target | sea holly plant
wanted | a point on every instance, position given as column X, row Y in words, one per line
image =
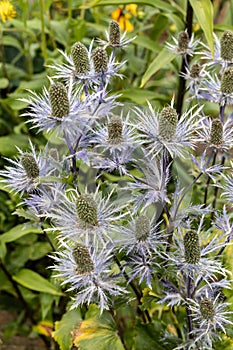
column 135, row 252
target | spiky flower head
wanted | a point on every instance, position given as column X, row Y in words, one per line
column 115, row 128
column 79, row 55
column 195, row 71
column 168, row 120
column 191, row 247
column 114, row 33
column 30, row 165
column 183, row 42
column 100, row 59
column 83, row 260
column 227, row 81
column 87, row 209
column 59, row 100
column 216, row 133
column 142, row 228
column 207, row 309
column 226, row 45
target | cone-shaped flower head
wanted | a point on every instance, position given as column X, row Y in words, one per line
column 87, row 209
column 114, row 33
column 30, row 166
column 216, row 133
column 191, row 247
column 227, row 81
column 226, row 44
column 83, row 260
column 59, row 100
column 168, row 120
column 100, row 59
column 79, row 55
column 195, row 71
column 142, row 228
column 183, row 42
column 115, row 129
column 207, row 309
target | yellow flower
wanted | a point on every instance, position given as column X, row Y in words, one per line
column 6, row 10
column 122, row 16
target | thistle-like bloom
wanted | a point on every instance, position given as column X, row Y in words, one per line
column 114, row 37
column 57, row 109
column 183, row 45
column 88, row 272
column 79, row 216
column 163, row 130
column 6, row 10
column 218, row 90
column 114, row 144
column 192, row 253
column 215, row 134
column 23, row 175
column 194, row 75
column 78, row 66
column 223, row 51
column 210, row 316
column 141, row 236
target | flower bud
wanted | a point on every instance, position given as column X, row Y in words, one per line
column 114, row 33
column 183, row 42
column 168, row 120
column 195, row 71
column 83, row 260
column 79, row 55
column 87, row 209
column 207, row 309
column 227, row 81
column 59, row 100
column 100, row 60
column 142, row 228
column 191, row 247
column 30, row 166
column 216, row 133
column 115, row 131
column 226, row 44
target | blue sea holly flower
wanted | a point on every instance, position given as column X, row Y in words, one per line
column 57, row 108
column 114, row 38
column 87, row 271
column 89, row 214
column 165, row 130
column 23, row 175
column 183, row 45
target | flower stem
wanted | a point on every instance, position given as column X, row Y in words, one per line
column 185, row 60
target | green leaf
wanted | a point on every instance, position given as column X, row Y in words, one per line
column 147, row 337
column 204, row 12
column 4, row 83
column 162, row 5
column 17, row 232
column 34, row 281
column 63, row 328
column 140, row 95
column 98, row 332
column 163, row 58
column 8, row 144
column 3, row 250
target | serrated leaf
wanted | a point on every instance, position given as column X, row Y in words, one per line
column 204, row 12
column 63, row 328
column 18, row 232
column 163, row 58
column 34, row 281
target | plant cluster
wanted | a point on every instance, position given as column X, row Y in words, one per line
column 127, row 239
